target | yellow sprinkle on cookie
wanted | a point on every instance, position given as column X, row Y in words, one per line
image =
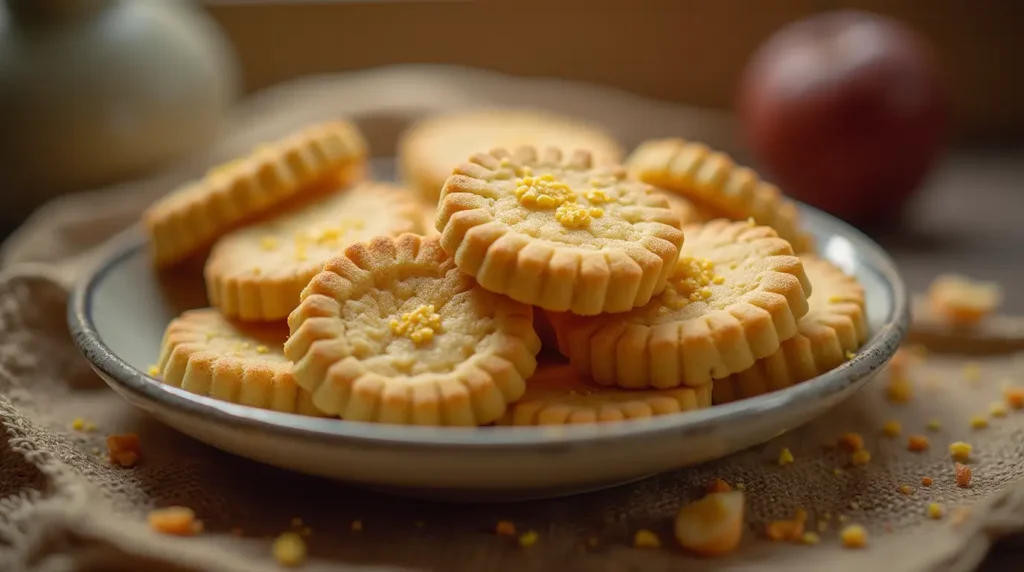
column 257, row 272
column 433, row 147
column 556, row 395
column 834, row 325
column 722, row 188
column 193, row 216
column 736, row 292
column 392, row 332
column 207, row 354
column 522, row 224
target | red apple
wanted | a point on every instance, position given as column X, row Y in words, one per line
column 845, row 111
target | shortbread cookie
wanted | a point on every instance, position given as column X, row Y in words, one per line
column 556, row 395
column 204, row 353
column 736, row 293
column 719, row 186
column 190, row 218
column 833, row 326
column 258, row 271
column 433, row 147
column 558, row 233
column 392, row 332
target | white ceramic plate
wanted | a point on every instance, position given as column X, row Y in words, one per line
column 119, row 311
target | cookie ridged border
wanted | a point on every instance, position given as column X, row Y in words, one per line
column 614, row 351
column 543, row 273
column 477, row 392
column 249, row 297
column 186, row 363
column 696, row 171
column 821, row 344
column 266, row 177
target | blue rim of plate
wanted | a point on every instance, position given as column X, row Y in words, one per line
column 874, row 354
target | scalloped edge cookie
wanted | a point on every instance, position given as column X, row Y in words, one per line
column 835, row 326
column 187, row 362
column 194, row 215
column 640, row 348
column 334, row 367
column 714, row 180
column 550, row 274
column 556, row 395
column 261, row 293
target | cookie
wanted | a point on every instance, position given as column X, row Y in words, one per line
column 258, row 271
column 434, row 146
column 558, row 232
column 204, row 353
column 190, row 218
column 735, row 294
column 557, row 395
column 392, row 332
column 834, row 325
column 720, row 187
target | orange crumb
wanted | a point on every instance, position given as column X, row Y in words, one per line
column 718, row 486
column 917, row 443
column 960, row 451
column 788, row 530
column 963, row 475
column 1014, row 397
column 289, row 549
column 854, row 536
column 505, row 528
column 962, row 300
column 926, row 481
column 852, row 442
column 906, row 489
column 712, row 526
column 124, row 450
column 357, row 526
column 646, row 539
column 892, row 428
column 177, row 520
column 861, row 457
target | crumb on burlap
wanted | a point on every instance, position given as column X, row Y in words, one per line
column 926, row 481
column 289, row 549
column 177, row 520
column 933, row 425
column 979, row 421
column 934, row 511
column 1014, row 397
column 789, row 530
column 997, row 409
column 505, row 528
column 905, row 489
column 124, row 450
column 960, row 450
column 851, row 441
column 917, row 443
column 963, row 475
column 854, row 536
column 892, row 428
column 528, row 539
column 646, row 539
column 785, row 456
column 718, row 486
column 861, row 457
column 810, row 538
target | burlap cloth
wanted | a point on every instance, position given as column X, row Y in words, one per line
column 65, row 508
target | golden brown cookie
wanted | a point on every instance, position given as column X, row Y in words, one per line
column 258, row 271
column 430, row 150
column 834, row 325
column 204, row 353
column 557, row 395
column 191, row 217
column 392, row 332
column 721, row 188
column 736, row 293
column 558, row 232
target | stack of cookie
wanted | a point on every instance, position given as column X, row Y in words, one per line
column 654, row 288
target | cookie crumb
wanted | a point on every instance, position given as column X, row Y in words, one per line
column 905, row 489
column 850, row 356
column 934, row 511
column 892, row 428
column 505, row 528
column 854, row 536
column 646, row 539
column 740, row 486
column 790, row 530
column 785, row 456
column 718, row 486
column 289, row 549
column 153, row 371
column 933, row 425
column 357, row 526
column 997, row 409
column 979, row 422
column 810, row 538
column 852, row 442
column 963, row 475
column 528, row 539
column 917, row 443
column 926, row 481
column 78, row 424
column 177, row 520
column 124, row 450
column 899, row 390
column 861, row 457
column 592, row 542
column 960, row 450
column 1014, row 397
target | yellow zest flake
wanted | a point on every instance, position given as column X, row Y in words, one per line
column 596, row 212
column 861, row 457
column 572, row 215
column 934, row 425
column 892, row 428
column 269, row 242
column 979, row 422
column 850, row 356
column 905, row 489
column 153, row 371
column 810, row 537
column 528, row 539
column 597, row 196
column 718, row 280
column 505, row 528
column 78, row 424
column 854, row 536
column 543, row 192
column 420, row 325
column 262, row 349
column 289, row 549
column 997, row 409
column 646, row 539
column 934, row 511
column 960, row 451
column 785, row 456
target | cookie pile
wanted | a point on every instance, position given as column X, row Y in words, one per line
column 525, row 277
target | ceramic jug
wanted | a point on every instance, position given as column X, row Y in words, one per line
column 96, row 91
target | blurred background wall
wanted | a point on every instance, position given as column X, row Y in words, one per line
column 689, row 51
